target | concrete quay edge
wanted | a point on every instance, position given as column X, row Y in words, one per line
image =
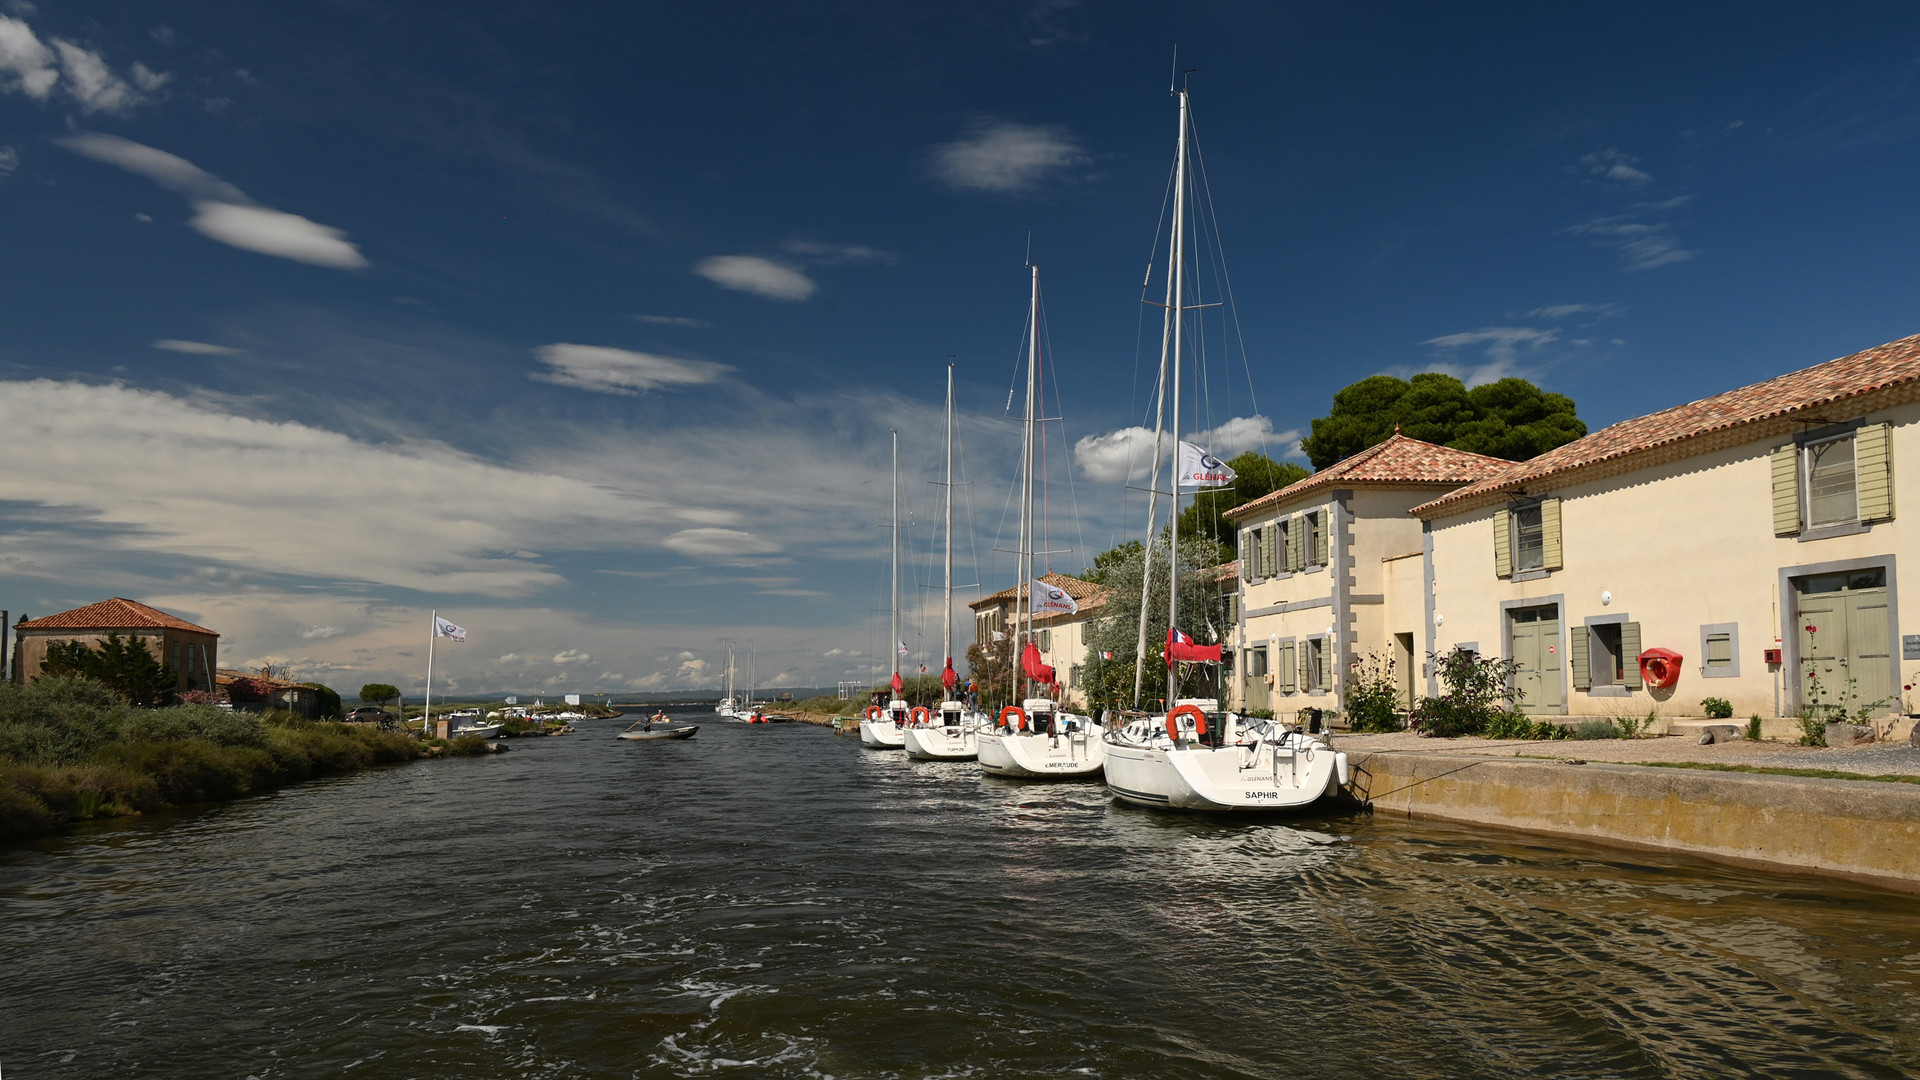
column 1861, row 830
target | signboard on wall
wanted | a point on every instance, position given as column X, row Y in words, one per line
column 1910, row 647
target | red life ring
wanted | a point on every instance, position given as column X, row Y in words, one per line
column 1016, row 711
column 921, row 714
column 1199, row 721
column 1660, row 667
column 875, row 712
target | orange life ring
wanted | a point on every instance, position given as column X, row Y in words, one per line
column 1660, row 667
column 1015, row 711
column 875, row 712
column 1199, row 721
column 921, row 715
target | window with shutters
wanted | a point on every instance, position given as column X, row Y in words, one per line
column 1833, row 481
column 1044, row 638
column 1529, row 539
column 1314, row 665
column 1606, row 664
column 1604, row 656
column 1233, row 607
column 1287, row 669
column 1315, row 539
column 1279, row 550
column 1720, row 650
column 1073, row 677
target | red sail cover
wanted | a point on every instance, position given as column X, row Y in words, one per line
column 1030, row 663
column 949, row 677
column 1181, row 647
column 897, row 684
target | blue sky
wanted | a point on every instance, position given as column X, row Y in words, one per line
column 586, row 324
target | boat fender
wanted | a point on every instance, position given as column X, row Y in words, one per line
column 1019, row 720
column 1199, row 721
column 875, row 712
column 1340, row 769
column 921, row 715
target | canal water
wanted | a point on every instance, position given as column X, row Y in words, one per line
column 774, row 901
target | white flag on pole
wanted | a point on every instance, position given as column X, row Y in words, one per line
column 1049, row 599
column 447, row 630
column 1199, row 469
column 902, row 647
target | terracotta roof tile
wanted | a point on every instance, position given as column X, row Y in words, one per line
column 1399, row 460
column 118, row 613
column 1085, row 593
column 1883, row 367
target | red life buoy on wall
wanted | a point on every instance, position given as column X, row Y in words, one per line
column 874, row 712
column 1660, row 667
column 1019, row 720
column 921, row 714
column 1199, row 721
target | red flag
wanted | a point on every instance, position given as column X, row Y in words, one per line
column 1030, row 663
column 949, row 677
column 897, row 684
column 1181, row 647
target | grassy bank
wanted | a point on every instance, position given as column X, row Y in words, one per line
column 70, row 750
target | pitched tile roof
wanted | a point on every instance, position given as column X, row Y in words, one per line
column 1758, row 411
column 1084, row 593
column 118, row 613
column 1399, row 461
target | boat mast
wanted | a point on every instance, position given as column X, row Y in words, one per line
column 1026, row 488
column 1179, row 282
column 1159, row 427
column 946, row 625
column 893, row 645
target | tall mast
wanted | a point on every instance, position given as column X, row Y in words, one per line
column 1025, row 587
column 1179, row 283
column 946, row 625
column 893, row 643
column 1159, row 425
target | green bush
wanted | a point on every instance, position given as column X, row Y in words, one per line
column 1373, row 695
column 1717, row 708
column 1595, row 729
column 1478, row 689
column 1753, row 728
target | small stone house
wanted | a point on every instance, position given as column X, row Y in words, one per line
column 189, row 650
column 280, row 693
column 1061, row 637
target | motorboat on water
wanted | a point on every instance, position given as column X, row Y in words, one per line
column 951, row 734
column 483, row 729
column 644, row 730
column 1198, row 757
column 886, row 728
column 1038, row 739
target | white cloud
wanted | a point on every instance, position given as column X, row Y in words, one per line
column 1005, row 158
column 221, row 211
column 9, row 160
column 507, row 658
column 26, row 64
column 321, row 632
column 752, row 274
column 194, row 348
column 1568, row 311
column 1641, row 244
column 832, row 254
column 1127, row 454
column 719, row 543
column 620, row 371
column 572, row 656
column 1503, row 346
column 1616, row 166
column 83, row 76
column 91, row 82
column 275, row 232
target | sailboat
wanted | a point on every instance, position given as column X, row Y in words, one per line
column 726, row 706
column 1036, row 738
column 1198, row 756
column 885, row 729
column 949, row 733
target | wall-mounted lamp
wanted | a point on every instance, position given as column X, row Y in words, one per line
column 1606, row 597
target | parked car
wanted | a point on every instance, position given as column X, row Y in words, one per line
column 368, row 714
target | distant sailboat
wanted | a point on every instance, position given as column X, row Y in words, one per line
column 885, row 729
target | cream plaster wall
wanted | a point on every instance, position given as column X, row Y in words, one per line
column 1677, row 546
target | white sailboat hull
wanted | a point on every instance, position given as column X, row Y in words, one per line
column 1227, row 778
column 1032, row 756
column 941, row 743
column 882, row 734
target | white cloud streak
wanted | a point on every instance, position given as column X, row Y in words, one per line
column 70, row 72
column 768, row 278
column 1126, row 455
column 222, row 211
column 607, row 370
column 1006, row 158
column 1503, row 348
column 1642, row 244
column 1616, row 166
column 193, row 348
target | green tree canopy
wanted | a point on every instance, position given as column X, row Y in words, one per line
column 1255, row 474
column 123, row 665
column 329, row 699
column 1203, row 614
column 379, row 693
column 1511, row 418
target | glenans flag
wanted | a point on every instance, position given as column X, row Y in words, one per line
column 1047, row 599
column 1199, row 469
column 447, row 630
column 902, row 647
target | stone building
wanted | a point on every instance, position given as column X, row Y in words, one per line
column 187, row 649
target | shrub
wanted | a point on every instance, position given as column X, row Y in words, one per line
column 1373, row 695
column 1632, row 727
column 1477, row 689
column 1753, row 728
column 1717, row 708
column 1596, row 729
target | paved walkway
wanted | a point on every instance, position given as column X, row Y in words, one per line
column 1872, row 759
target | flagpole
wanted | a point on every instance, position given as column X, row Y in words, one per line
column 426, row 717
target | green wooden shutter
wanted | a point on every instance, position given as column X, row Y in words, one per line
column 1270, row 550
column 1502, row 544
column 1306, row 658
column 1322, row 521
column 1246, row 554
column 1285, row 670
column 1297, row 543
column 1630, row 655
column 1326, row 663
column 1873, row 471
column 1550, row 534
column 1577, row 640
column 1786, row 490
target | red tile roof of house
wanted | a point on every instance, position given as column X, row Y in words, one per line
column 1399, row 461
column 1085, row 593
column 118, row 613
column 1762, row 410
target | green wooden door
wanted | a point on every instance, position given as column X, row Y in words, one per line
column 1541, row 677
column 1255, row 691
column 1845, row 641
